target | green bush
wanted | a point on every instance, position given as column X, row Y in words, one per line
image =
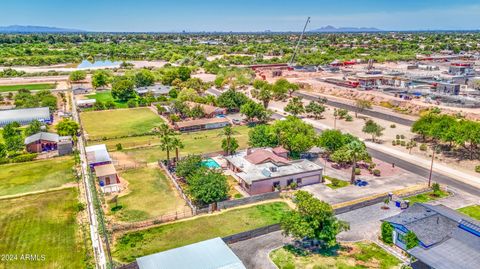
column 119, row 146
column 394, row 143
column 397, row 136
column 357, row 171
column 132, row 103
column 348, row 118
column 387, row 233
column 80, row 207
column 403, row 143
column 24, row 158
column 402, row 136
column 116, row 208
column 477, row 168
column 376, row 172
column 423, row 147
column 335, row 182
column 393, row 126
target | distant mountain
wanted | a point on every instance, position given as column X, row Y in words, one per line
column 35, row 29
column 332, row 29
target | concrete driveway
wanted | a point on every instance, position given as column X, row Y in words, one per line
column 254, row 252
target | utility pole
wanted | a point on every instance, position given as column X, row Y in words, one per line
column 431, row 168
column 334, row 118
column 298, row 42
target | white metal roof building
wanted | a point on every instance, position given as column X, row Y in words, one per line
column 209, row 254
column 25, row 115
column 97, row 154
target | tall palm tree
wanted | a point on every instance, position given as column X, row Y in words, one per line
column 177, row 144
column 356, row 151
column 167, row 136
column 228, row 132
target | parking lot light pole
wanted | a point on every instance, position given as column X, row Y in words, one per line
column 431, row 168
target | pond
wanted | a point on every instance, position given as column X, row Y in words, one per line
column 85, row 64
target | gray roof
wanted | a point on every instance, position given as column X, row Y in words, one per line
column 97, row 154
column 42, row 136
column 24, row 115
column 209, row 254
column 438, row 227
column 155, row 89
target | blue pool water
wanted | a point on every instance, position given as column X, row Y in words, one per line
column 210, row 163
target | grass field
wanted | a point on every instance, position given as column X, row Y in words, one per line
column 195, row 143
column 350, row 256
column 472, row 211
column 426, row 197
column 104, row 96
column 42, row 224
column 151, row 194
column 19, row 178
column 168, row 236
column 119, row 122
column 32, row 87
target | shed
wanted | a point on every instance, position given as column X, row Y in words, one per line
column 209, row 254
column 25, row 116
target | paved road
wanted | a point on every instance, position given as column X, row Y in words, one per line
column 368, row 112
column 254, row 252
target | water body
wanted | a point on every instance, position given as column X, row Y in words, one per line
column 102, row 63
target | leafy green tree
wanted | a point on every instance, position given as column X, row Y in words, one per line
column 77, row 75
column 387, row 232
column 68, row 127
column 98, row 105
column 373, row 128
column 232, row 100
column 188, row 94
column 280, row 89
column 361, row 105
column 316, row 109
column 262, row 136
column 188, row 166
column 14, row 143
column 295, row 135
column 295, row 106
column 109, row 104
column 264, row 94
column 253, row 110
column 123, row 88
column 101, row 78
column 143, row 78
column 468, row 135
column 167, row 137
column 229, row 143
column 423, row 125
column 196, row 112
column 331, row 140
column 34, row 127
column 312, row 219
column 208, row 186
column 3, row 151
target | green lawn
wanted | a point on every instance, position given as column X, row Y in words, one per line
column 42, row 224
column 119, row 122
column 426, row 197
column 472, row 211
column 350, row 256
column 151, row 194
column 195, row 143
column 340, row 183
column 104, row 96
column 32, row 87
column 19, row 178
column 168, row 236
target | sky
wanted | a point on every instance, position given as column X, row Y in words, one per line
column 241, row 15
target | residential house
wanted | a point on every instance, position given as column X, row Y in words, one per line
column 43, row 141
column 81, row 88
column 263, row 170
column 201, row 124
column 156, row 90
column 107, row 178
column 25, row 116
column 210, row 111
column 211, row 254
column 446, row 238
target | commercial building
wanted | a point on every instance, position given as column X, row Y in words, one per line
column 25, row 116
column 201, row 124
column 264, row 170
column 446, row 238
column 211, row 254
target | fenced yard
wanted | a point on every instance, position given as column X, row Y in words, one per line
column 119, row 122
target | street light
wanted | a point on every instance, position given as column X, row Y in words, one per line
column 431, row 167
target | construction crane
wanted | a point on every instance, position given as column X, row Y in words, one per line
column 298, row 42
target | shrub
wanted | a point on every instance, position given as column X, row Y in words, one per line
column 394, row 143
column 411, row 240
column 398, row 141
column 132, row 103
column 402, row 136
column 436, row 189
column 477, row 168
column 423, row 147
column 335, row 182
column 116, row 208
column 237, row 196
column 397, row 136
column 357, row 171
column 80, row 207
column 348, row 118
column 24, row 158
column 393, row 126
column 293, row 185
column 387, row 233
column 403, row 143
column 376, row 172
column 119, row 146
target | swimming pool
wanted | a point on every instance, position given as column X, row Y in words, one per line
column 210, row 163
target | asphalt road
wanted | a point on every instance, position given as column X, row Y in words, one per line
column 367, row 112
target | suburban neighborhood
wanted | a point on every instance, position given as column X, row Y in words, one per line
column 224, row 146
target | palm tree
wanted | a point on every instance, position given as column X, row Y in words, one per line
column 177, row 144
column 356, row 151
column 264, row 95
column 166, row 139
column 228, row 132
